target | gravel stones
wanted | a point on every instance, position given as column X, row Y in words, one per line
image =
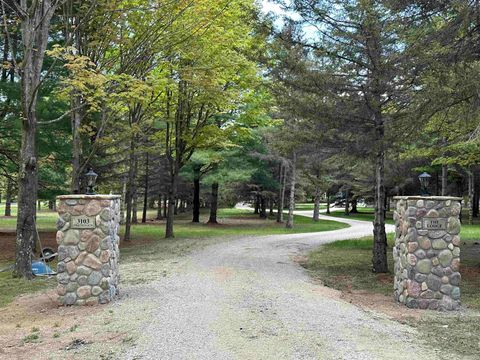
column 88, row 258
column 426, row 252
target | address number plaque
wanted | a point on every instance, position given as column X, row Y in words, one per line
column 83, row 222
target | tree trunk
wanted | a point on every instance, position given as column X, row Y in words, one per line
column 130, row 191
column 444, row 179
column 135, row 209
column 471, row 186
column 160, row 207
column 380, row 264
column 145, row 191
column 124, row 201
column 263, row 207
column 135, row 193
column 354, row 206
column 280, row 191
column 76, row 119
column 8, row 198
column 27, row 195
column 257, row 205
column 271, row 204
column 35, row 27
column 165, row 206
column 347, row 201
column 475, row 200
column 196, row 194
column 291, row 205
column 281, row 202
column 214, row 204
column 6, row 51
column 328, row 203
column 172, row 194
column 316, row 204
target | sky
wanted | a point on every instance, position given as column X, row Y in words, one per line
column 269, row 6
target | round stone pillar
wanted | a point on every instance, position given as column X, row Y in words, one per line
column 427, row 252
column 88, row 250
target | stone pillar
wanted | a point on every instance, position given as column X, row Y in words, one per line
column 88, row 250
column 427, row 252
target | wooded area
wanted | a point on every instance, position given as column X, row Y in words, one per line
column 179, row 105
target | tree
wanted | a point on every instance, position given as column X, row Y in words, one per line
column 358, row 72
column 35, row 26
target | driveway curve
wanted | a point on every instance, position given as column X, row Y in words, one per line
column 248, row 299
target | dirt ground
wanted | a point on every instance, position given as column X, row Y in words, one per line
column 34, row 325
column 368, row 300
column 7, row 243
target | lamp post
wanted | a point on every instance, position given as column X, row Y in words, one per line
column 424, row 180
column 91, row 179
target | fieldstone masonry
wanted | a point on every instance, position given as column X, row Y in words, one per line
column 427, row 252
column 88, row 250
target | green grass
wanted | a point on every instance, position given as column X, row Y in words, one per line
column 308, row 206
column 250, row 225
column 11, row 287
column 346, row 265
column 45, row 219
column 32, row 338
column 365, row 214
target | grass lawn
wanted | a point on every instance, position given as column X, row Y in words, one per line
column 148, row 243
column 235, row 222
column 346, row 265
column 308, row 206
column 365, row 214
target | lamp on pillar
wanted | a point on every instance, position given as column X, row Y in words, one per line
column 91, row 179
column 424, row 180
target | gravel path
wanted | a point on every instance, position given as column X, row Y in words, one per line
column 247, row 299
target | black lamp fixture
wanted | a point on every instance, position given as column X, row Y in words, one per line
column 424, row 180
column 91, row 179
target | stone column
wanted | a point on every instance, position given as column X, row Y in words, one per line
column 88, row 250
column 427, row 252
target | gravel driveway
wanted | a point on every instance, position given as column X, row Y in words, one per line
column 247, row 299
